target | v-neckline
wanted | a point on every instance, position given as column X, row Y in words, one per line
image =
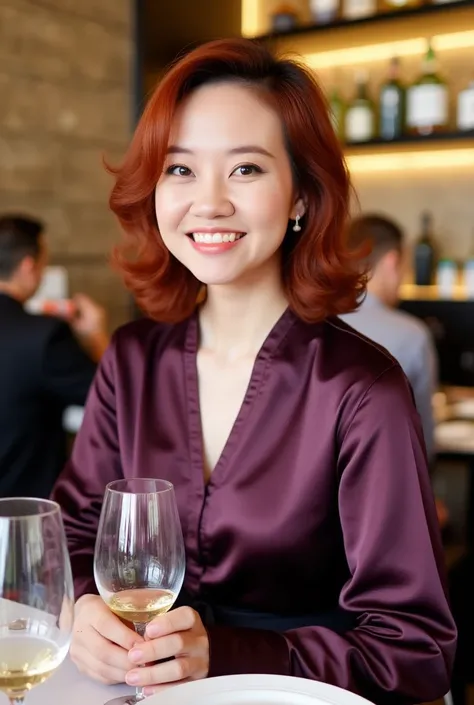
column 257, row 377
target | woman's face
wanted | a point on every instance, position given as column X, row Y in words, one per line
column 226, row 193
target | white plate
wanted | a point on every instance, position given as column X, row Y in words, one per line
column 255, row 690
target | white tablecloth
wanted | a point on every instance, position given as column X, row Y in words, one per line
column 69, row 687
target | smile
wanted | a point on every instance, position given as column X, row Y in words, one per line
column 216, row 238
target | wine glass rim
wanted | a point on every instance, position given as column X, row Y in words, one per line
column 49, row 507
column 168, row 486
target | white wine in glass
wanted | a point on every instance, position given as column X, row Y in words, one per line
column 36, row 594
column 139, row 560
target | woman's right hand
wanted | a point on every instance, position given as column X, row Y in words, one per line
column 101, row 641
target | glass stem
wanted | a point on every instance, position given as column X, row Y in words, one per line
column 140, row 629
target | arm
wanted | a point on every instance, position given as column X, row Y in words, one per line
column 424, row 381
column 67, row 371
column 95, row 462
column 404, row 642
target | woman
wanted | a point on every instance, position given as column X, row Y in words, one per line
column 292, row 442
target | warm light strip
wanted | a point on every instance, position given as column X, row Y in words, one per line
column 410, row 161
column 250, row 18
column 386, row 50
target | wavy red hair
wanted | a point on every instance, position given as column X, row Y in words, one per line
column 317, row 267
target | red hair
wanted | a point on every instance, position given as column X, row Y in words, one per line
column 317, row 268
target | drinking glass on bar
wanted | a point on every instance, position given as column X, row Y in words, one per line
column 36, row 594
column 139, row 560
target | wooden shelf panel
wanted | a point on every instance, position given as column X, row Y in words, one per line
column 424, row 11
column 410, row 24
column 452, row 140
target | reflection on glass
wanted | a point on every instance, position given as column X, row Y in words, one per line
column 139, row 558
column 36, row 594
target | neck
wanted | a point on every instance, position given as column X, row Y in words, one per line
column 377, row 290
column 11, row 289
column 235, row 319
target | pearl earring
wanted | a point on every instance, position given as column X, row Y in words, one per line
column 297, row 226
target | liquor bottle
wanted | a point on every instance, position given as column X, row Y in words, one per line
column 424, row 252
column 336, row 111
column 324, row 11
column 468, row 273
column 465, row 116
column 284, row 18
column 359, row 123
column 356, row 9
column 427, row 99
column 392, row 104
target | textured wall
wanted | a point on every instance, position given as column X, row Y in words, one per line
column 65, row 101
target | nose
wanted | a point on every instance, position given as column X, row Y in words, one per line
column 211, row 199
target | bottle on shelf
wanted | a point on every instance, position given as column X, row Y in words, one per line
column 465, row 112
column 337, row 113
column 468, row 273
column 424, row 252
column 401, row 4
column 324, row 11
column 284, row 18
column 392, row 104
column 428, row 99
column 359, row 123
column 357, row 9
column 446, row 277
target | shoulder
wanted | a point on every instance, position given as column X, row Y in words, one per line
column 138, row 341
column 346, row 367
column 412, row 327
column 353, row 354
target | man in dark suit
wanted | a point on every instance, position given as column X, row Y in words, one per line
column 43, row 367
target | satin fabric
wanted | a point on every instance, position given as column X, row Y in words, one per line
column 320, row 501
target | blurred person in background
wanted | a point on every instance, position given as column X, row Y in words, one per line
column 43, row 366
column 407, row 338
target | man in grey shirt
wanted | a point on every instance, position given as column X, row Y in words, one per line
column 407, row 338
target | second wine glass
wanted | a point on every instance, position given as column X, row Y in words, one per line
column 139, row 557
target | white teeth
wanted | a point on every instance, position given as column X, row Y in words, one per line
column 216, row 238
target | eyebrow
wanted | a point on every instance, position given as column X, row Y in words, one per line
column 245, row 149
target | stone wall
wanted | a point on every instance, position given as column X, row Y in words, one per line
column 65, row 102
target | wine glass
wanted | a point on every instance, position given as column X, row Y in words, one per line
column 139, row 556
column 36, row 594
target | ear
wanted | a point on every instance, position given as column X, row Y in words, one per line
column 27, row 265
column 299, row 208
column 391, row 260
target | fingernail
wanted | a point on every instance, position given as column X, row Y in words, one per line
column 135, row 655
column 132, row 678
column 148, row 691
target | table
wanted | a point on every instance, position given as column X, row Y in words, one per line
column 69, row 687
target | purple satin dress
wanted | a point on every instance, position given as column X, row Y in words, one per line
column 320, row 501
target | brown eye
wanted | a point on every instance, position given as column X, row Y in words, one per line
column 178, row 170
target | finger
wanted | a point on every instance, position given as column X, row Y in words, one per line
column 110, row 626
column 177, row 669
column 88, row 664
column 164, row 647
column 177, row 620
column 104, row 650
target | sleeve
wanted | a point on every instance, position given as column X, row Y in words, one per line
column 67, row 370
column 403, row 646
column 95, row 461
column 424, row 381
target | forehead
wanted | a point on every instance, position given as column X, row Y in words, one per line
column 225, row 115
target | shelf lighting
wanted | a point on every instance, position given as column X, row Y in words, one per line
column 386, row 50
column 410, row 161
column 250, row 24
